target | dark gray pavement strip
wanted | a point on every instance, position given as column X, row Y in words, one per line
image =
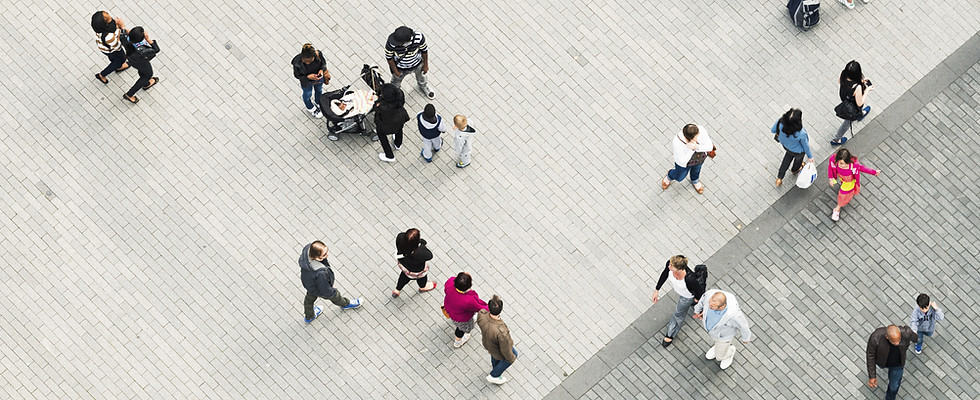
column 650, row 324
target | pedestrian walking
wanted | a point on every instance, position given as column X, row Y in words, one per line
column 845, row 167
column 923, row 319
column 688, row 288
column 431, row 126
column 311, row 70
column 463, row 137
column 390, row 117
column 496, row 339
column 407, row 52
column 723, row 319
column 886, row 348
column 461, row 305
column 790, row 133
column 109, row 34
column 140, row 50
column 691, row 148
column 413, row 257
column 318, row 279
column 854, row 90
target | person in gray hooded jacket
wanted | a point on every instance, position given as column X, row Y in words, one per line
column 722, row 320
column 318, row 280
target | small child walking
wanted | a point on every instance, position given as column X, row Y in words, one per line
column 431, row 125
column 844, row 165
column 924, row 318
column 463, row 135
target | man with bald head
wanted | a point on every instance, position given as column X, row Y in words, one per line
column 723, row 319
column 886, row 348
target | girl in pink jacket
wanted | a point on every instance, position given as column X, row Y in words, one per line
column 845, row 167
column 461, row 305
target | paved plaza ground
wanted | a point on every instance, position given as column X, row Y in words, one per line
column 150, row 250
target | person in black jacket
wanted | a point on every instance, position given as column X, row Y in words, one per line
column 318, row 280
column 310, row 68
column 390, row 117
column 140, row 50
column 886, row 349
column 412, row 257
column 688, row 289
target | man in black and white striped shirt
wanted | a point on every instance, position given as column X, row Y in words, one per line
column 407, row 52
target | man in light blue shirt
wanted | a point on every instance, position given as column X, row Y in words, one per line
column 722, row 320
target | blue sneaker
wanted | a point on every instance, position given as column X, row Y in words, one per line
column 422, row 153
column 317, row 310
column 838, row 142
column 354, row 303
column 917, row 349
column 867, row 110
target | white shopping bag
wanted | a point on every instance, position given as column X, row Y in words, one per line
column 807, row 176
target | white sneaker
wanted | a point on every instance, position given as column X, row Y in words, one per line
column 496, row 381
column 710, row 354
column 396, row 147
column 315, row 113
column 385, row 159
column 847, row 3
column 459, row 343
column 728, row 361
column 867, row 1
column 333, row 137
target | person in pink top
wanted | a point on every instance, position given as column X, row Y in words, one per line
column 461, row 304
column 845, row 167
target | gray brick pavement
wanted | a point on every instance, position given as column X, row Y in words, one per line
column 164, row 264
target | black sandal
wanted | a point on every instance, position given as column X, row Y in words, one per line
column 104, row 80
column 132, row 99
column 155, row 81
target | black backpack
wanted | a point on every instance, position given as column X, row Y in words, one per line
column 804, row 13
column 701, row 275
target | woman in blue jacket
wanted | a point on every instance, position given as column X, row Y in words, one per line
column 790, row 133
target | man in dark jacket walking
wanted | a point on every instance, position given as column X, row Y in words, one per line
column 886, row 348
column 318, row 280
column 496, row 339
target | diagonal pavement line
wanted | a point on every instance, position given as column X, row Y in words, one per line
column 652, row 321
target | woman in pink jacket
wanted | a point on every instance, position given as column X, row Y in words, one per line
column 845, row 167
column 461, row 305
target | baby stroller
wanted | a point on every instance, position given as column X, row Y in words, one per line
column 346, row 109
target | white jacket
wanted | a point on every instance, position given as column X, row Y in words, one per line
column 731, row 323
column 682, row 154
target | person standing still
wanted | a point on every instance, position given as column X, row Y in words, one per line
column 310, row 68
column 497, row 340
column 723, row 319
column 790, row 133
column 854, row 87
column 407, row 52
column 390, row 117
column 463, row 140
column 691, row 148
column 431, row 126
column 886, row 349
column 318, row 279
column 461, row 305
column 413, row 257
column 688, row 290
column 140, row 50
column 108, row 36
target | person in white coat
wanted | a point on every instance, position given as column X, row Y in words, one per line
column 722, row 320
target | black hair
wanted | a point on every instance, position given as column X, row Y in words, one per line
column 463, row 282
column 843, row 155
column 406, row 243
column 690, row 131
column 496, row 305
column 792, row 121
column 429, row 113
column 402, row 34
column 308, row 51
column 922, row 300
column 852, row 72
column 391, row 96
column 136, row 35
column 100, row 26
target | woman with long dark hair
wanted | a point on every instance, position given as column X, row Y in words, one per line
column 109, row 34
column 854, row 87
column 845, row 166
column 310, row 68
column 790, row 133
column 412, row 260
column 389, row 118
column 140, row 50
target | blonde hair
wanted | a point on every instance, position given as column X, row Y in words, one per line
column 459, row 121
column 679, row 262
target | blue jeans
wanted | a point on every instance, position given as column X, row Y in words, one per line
column 499, row 366
column 116, row 60
column 680, row 314
column 679, row 172
column 922, row 337
column 894, row 380
column 308, row 92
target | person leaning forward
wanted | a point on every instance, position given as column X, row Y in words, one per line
column 318, row 279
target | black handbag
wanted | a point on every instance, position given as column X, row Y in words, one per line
column 848, row 110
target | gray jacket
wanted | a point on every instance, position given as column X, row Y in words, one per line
column 731, row 323
column 925, row 322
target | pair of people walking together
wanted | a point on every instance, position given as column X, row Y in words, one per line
column 132, row 48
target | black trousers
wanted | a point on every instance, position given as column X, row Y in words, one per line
column 145, row 75
column 337, row 299
column 403, row 280
column 383, row 138
column 795, row 158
